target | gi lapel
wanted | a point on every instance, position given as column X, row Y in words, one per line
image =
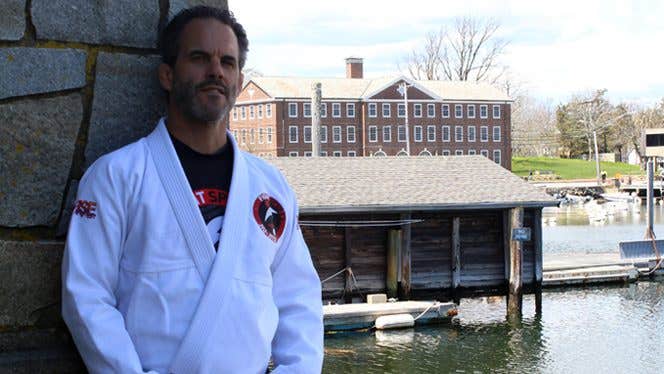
column 233, row 238
column 182, row 199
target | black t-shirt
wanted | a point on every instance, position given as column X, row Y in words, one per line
column 210, row 179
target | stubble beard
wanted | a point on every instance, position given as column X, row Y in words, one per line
column 185, row 97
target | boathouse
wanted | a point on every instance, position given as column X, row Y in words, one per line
column 418, row 227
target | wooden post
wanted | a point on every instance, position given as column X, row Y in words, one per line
column 539, row 272
column 405, row 286
column 456, row 257
column 506, row 243
column 348, row 282
column 514, row 300
column 393, row 252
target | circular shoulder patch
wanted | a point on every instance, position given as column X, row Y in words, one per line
column 270, row 216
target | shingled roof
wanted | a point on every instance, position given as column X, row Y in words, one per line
column 345, row 88
column 399, row 184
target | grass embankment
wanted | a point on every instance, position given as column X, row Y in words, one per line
column 570, row 168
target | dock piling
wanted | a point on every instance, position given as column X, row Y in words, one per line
column 515, row 296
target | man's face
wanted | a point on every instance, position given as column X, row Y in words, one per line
column 206, row 77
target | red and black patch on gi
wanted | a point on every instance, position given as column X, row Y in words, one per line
column 270, row 216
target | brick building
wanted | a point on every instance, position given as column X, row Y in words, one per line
column 366, row 117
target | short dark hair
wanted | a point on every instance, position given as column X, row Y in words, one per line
column 169, row 38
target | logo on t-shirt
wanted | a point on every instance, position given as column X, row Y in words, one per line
column 270, row 216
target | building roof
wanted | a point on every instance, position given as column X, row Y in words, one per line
column 361, row 184
column 345, row 88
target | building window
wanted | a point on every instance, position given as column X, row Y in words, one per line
column 336, row 134
column 260, row 110
column 292, row 154
column 292, row 134
column 373, row 112
column 471, row 111
column 401, row 110
column 235, row 134
column 252, row 136
column 496, row 133
column 431, row 133
column 323, row 153
column 386, row 110
column 484, row 111
column 484, row 133
column 292, row 110
column 401, row 133
column 234, row 114
column 350, row 110
column 417, row 110
column 496, row 111
column 472, row 152
column 244, row 136
column 307, row 134
column 471, row 133
column 446, row 152
column 431, row 110
column 445, row 110
column 484, row 153
column 269, row 135
column 323, row 110
column 350, row 134
column 307, row 110
column 387, row 134
column 251, row 112
column 243, row 112
column 458, row 111
column 323, row 134
column 446, row 133
column 261, row 135
column 458, row 133
column 268, row 110
column 351, row 154
column 373, row 134
column 336, row 153
column 336, row 110
column 418, row 133
column 380, row 153
column 458, row 152
column 496, row 156
column 307, row 154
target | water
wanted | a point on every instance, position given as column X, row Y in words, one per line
column 581, row 330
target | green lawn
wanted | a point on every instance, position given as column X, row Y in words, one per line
column 570, row 168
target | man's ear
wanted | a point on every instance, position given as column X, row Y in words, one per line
column 165, row 76
column 240, row 84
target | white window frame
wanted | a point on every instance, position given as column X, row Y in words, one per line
column 470, row 108
column 498, row 159
column 417, row 108
column 485, row 153
column 484, row 130
column 472, row 152
column 373, row 134
column 494, row 133
column 387, row 130
column 268, row 110
column 292, row 110
column 261, row 135
column 243, row 112
column 260, row 110
column 293, row 154
column 493, row 110
column 458, row 111
column 445, row 108
column 304, row 110
column 351, row 154
column 401, row 128
column 350, row 134
column 252, row 135
column 446, row 152
column 269, row 135
column 484, row 111
column 336, row 110
column 458, row 152
column 385, row 108
column 291, row 133
column 336, row 154
column 323, row 153
column 458, row 134
column 323, row 110
column 350, row 110
column 431, row 110
column 449, row 133
column 323, row 134
column 416, row 129
column 401, row 110
column 244, row 136
column 307, row 153
column 234, row 114
column 472, row 130
column 373, row 108
column 307, row 129
column 336, row 137
column 431, row 133
column 252, row 111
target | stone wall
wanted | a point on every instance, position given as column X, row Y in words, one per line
column 77, row 80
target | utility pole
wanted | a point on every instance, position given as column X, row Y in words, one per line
column 316, row 97
column 403, row 90
column 596, row 158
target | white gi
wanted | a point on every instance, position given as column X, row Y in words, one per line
column 144, row 289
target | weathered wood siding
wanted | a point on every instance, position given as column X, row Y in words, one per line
column 326, row 245
column 431, row 251
column 482, row 258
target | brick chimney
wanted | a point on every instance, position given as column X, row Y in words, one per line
column 354, row 68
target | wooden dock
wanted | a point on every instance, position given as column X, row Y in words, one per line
column 363, row 316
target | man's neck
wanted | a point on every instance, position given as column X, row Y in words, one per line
column 205, row 138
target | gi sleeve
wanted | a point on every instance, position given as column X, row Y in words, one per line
column 298, row 343
column 90, row 274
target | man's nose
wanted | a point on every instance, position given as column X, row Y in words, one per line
column 215, row 69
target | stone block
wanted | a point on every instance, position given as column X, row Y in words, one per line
column 12, row 19
column 119, row 22
column 29, row 283
column 65, row 217
column 178, row 5
column 36, row 150
column 26, row 71
column 127, row 104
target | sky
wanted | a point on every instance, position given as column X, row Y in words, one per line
column 555, row 49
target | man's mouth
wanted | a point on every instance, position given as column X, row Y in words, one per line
column 219, row 89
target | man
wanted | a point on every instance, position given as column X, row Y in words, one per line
column 169, row 264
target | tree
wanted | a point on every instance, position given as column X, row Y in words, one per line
column 534, row 131
column 470, row 51
column 631, row 128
